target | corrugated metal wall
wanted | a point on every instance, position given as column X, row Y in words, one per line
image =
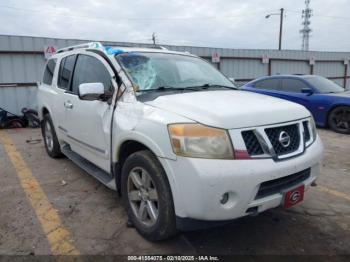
column 22, row 61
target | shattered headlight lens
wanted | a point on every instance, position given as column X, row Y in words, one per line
column 196, row 140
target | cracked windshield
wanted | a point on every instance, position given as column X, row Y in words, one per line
column 150, row 71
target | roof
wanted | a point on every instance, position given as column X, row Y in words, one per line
column 290, row 76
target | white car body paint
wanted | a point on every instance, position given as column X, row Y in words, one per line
column 197, row 185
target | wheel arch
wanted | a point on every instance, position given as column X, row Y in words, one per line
column 44, row 111
column 125, row 149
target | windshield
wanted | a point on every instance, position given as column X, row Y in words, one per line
column 150, row 71
column 324, row 85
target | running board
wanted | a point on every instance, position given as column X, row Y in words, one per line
column 89, row 167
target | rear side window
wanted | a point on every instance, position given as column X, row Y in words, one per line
column 65, row 73
column 292, row 85
column 268, row 84
column 89, row 69
column 49, row 70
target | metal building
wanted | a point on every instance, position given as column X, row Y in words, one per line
column 22, row 61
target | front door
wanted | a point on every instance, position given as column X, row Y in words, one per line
column 292, row 90
column 88, row 123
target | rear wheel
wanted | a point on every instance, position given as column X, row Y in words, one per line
column 52, row 145
column 147, row 196
column 339, row 119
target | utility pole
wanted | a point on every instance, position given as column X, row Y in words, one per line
column 281, row 14
column 154, row 38
column 281, row 28
column 306, row 15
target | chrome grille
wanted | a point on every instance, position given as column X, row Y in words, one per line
column 274, row 133
column 253, row 146
column 306, row 131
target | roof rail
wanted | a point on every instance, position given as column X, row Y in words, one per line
column 91, row 45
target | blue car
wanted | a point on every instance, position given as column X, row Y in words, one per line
column 328, row 102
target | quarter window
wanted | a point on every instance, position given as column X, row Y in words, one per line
column 49, row 70
column 66, row 69
column 268, row 84
column 292, row 85
column 89, row 69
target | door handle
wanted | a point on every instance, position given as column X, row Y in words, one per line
column 68, row 105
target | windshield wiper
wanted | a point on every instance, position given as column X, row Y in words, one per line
column 192, row 88
column 167, row 88
column 206, row 86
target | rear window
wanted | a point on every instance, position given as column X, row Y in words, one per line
column 49, row 70
column 65, row 73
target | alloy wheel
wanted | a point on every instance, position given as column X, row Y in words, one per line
column 143, row 196
column 341, row 119
column 48, row 136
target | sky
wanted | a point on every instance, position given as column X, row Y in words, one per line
column 215, row 23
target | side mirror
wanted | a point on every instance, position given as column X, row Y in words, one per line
column 91, row 91
column 307, row 91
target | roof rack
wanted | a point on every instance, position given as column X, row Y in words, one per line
column 100, row 47
column 140, row 46
column 91, row 45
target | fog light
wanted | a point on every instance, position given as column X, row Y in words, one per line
column 224, row 198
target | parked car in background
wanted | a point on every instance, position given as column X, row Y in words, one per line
column 328, row 102
column 174, row 137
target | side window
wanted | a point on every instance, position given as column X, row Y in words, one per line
column 49, row 70
column 89, row 69
column 66, row 69
column 268, row 84
column 292, row 85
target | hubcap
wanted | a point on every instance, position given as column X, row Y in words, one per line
column 143, row 196
column 48, row 136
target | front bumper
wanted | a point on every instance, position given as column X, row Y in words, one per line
column 198, row 184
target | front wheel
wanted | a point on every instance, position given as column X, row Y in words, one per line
column 147, row 196
column 339, row 119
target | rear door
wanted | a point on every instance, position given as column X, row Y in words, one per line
column 88, row 123
column 65, row 72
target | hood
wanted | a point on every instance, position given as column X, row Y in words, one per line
column 230, row 109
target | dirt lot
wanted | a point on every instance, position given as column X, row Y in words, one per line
column 52, row 206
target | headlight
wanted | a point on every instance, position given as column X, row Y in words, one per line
column 196, row 140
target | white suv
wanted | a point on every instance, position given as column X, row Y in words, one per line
column 174, row 137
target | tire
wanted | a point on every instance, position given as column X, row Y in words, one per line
column 140, row 165
column 52, row 145
column 339, row 119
